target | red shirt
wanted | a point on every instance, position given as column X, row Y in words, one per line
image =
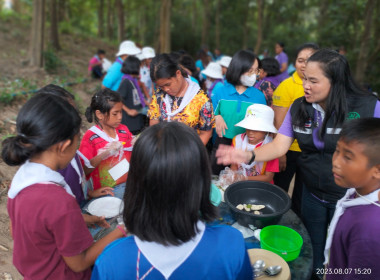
column 90, row 145
column 47, row 224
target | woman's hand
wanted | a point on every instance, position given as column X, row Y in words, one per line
column 227, row 155
column 220, row 125
column 100, row 192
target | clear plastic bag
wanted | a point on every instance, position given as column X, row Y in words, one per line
column 112, row 149
column 229, row 176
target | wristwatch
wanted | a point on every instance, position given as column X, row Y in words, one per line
column 252, row 158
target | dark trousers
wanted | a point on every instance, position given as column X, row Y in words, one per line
column 216, row 168
column 97, row 72
column 316, row 216
column 283, row 179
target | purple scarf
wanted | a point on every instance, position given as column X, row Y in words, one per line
column 213, row 85
column 119, row 60
column 136, row 84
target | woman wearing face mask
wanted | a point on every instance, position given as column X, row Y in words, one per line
column 231, row 101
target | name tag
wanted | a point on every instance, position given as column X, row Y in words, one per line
column 119, row 169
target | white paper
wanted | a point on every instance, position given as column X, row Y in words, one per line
column 119, row 169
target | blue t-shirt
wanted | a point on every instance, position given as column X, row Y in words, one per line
column 113, row 78
column 220, row 254
column 232, row 106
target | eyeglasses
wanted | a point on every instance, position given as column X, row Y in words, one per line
column 252, row 71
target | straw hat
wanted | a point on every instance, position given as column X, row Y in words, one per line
column 258, row 117
column 225, row 61
column 148, row 52
column 128, row 48
column 213, row 70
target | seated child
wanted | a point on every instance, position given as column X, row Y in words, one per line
column 95, row 68
column 51, row 239
column 106, row 145
column 258, row 123
column 168, row 198
column 353, row 245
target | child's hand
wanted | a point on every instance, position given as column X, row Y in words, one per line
column 93, row 221
column 100, row 192
column 111, row 149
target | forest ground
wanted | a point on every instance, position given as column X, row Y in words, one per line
column 75, row 54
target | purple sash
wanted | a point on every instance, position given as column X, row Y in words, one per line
column 213, row 85
column 136, row 84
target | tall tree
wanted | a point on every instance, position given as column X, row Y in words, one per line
column 260, row 11
column 36, row 46
column 165, row 42
column 217, row 24
column 362, row 61
column 110, row 19
column 100, row 18
column 245, row 25
column 120, row 19
column 206, row 22
column 54, row 35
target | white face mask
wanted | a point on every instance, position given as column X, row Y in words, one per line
column 248, row 81
column 208, row 84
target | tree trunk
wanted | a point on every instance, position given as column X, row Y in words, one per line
column 245, row 26
column 206, row 22
column 260, row 12
column 165, row 26
column 120, row 19
column 37, row 34
column 101, row 19
column 109, row 19
column 62, row 10
column 54, row 35
column 362, row 61
column 217, row 24
column 16, row 5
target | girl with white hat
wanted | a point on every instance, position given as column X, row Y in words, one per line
column 258, row 123
column 214, row 76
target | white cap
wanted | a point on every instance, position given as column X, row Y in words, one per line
column 225, row 61
column 213, row 70
column 148, row 52
column 258, row 117
column 128, row 48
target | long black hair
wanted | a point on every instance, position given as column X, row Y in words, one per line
column 336, row 69
column 103, row 100
column 168, row 186
column 43, row 121
column 165, row 66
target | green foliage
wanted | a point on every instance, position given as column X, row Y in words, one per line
column 10, row 90
column 51, row 61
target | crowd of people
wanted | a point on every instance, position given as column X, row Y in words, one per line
column 168, row 122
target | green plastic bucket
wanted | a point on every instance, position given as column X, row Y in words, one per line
column 281, row 240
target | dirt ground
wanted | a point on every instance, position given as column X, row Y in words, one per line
column 75, row 53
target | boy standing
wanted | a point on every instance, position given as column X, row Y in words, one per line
column 354, row 234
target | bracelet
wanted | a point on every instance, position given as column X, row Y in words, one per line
column 122, row 230
column 252, row 158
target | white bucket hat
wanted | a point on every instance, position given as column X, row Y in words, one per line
column 225, row 61
column 258, row 117
column 148, row 52
column 128, row 48
column 140, row 56
column 213, row 70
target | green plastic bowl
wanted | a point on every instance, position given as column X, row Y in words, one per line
column 215, row 195
column 281, row 240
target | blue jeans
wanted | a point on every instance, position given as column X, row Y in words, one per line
column 316, row 216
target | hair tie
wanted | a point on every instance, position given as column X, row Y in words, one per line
column 22, row 135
